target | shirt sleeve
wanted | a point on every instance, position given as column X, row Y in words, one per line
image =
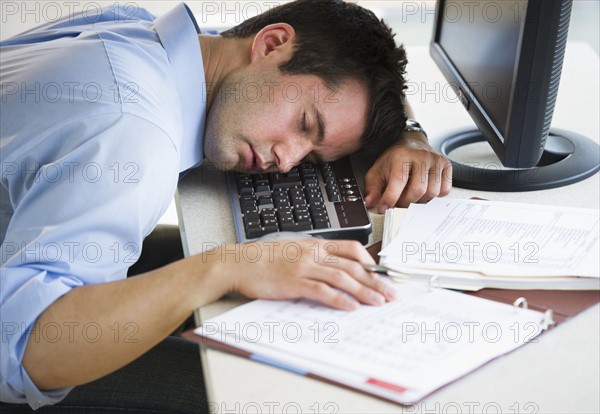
column 80, row 216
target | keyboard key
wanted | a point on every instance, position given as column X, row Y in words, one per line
column 295, row 201
column 268, row 212
column 245, row 187
column 334, row 194
column 252, row 219
column 262, row 186
column 251, row 208
column 294, row 172
column 248, row 203
column 264, row 200
column 321, row 223
column 298, row 201
column 269, row 217
column 301, row 214
column 318, row 211
column 304, row 226
column 256, row 232
column 260, row 177
column 281, row 202
column 279, row 180
column 285, row 222
column 311, row 191
column 271, row 229
column 253, row 225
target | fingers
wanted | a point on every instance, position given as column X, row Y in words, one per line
column 446, row 178
column 352, row 278
column 348, row 249
column 327, row 295
column 374, row 183
column 345, row 285
column 419, row 182
column 328, row 271
column 439, row 182
column 428, row 186
column 343, row 272
column 399, row 183
column 415, row 182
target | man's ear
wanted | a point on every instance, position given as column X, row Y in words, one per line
column 275, row 41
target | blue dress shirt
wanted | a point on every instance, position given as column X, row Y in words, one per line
column 100, row 114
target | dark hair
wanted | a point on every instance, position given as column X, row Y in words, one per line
column 338, row 41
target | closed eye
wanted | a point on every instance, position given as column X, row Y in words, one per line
column 304, row 123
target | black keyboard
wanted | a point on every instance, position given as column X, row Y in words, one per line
column 319, row 199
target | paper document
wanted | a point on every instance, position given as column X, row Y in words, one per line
column 400, row 351
column 497, row 239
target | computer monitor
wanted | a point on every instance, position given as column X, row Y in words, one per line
column 504, row 60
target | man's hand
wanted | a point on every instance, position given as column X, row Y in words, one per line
column 408, row 172
column 328, row 271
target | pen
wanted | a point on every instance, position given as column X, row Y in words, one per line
column 383, row 270
column 397, row 276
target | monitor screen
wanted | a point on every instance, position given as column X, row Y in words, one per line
column 483, row 46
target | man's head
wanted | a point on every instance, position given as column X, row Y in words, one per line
column 337, row 68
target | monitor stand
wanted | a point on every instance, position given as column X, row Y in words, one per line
column 568, row 158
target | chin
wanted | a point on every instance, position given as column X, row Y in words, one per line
column 226, row 166
column 222, row 163
column 230, row 165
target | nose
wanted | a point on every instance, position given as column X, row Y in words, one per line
column 291, row 153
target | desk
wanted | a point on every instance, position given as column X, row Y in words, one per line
column 560, row 373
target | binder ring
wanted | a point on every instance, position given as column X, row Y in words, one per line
column 521, row 301
column 435, row 279
column 548, row 319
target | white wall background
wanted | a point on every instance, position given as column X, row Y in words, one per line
column 412, row 20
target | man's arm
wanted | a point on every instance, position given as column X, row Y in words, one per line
column 135, row 314
column 410, row 171
column 111, row 324
column 70, row 239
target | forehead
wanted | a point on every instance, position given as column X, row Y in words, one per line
column 344, row 111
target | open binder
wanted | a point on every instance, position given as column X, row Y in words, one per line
column 400, row 352
column 475, row 244
column 387, row 351
column 564, row 303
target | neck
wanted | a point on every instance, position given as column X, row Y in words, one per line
column 221, row 57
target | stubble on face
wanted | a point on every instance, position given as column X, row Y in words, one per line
column 237, row 105
column 252, row 119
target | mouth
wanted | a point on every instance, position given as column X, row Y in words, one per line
column 249, row 159
column 253, row 161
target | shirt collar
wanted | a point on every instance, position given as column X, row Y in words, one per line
column 178, row 33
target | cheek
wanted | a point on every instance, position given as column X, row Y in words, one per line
column 219, row 136
column 266, row 124
column 211, row 129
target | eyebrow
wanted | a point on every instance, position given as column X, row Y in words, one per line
column 320, row 124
